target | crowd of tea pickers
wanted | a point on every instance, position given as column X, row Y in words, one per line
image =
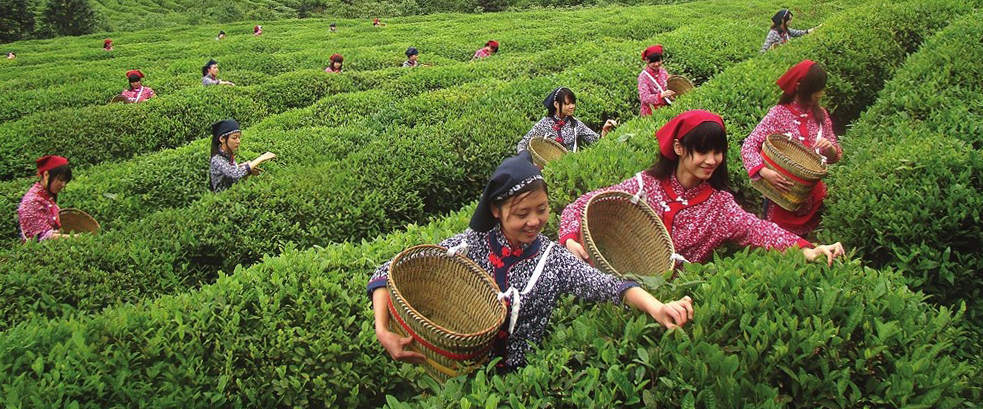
column 258, row 299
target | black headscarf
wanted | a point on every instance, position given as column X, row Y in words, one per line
column 209, row 64
column 220, row 129
column 779, row 17
column 508, row 180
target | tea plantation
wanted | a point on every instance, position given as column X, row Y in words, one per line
column 255, row 296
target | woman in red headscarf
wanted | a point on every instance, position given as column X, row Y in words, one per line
column 687, row 187
column 257, row 30
column 38, row 212
column 336, row 62
column 491, row 47
column 652, row 89
column 137, row 91
column 798, row 115
column 107, row 45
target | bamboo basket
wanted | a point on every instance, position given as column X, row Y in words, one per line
column 545, row 150
column 448, row 304
column 679, row 84
column 77, row 221
column 623, row 237
column 117, row 99
column 799, row 164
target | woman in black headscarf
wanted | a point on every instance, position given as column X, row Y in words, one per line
column 780, row 32
column 560, row 124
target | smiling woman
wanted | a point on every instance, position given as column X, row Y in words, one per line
column 505, row 239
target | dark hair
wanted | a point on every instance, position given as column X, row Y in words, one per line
column 63, row 172
column 209, row 64
column 534, row 186
column 217, row 143
column 706, row 137
column 221, row 32
column 813, row 82
column 134, row 78
column 563, row 96
column 782, row 16
column 493, row 47
column 654, row 57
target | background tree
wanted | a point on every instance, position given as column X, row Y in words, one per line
column 16, row 20
column 69, row 17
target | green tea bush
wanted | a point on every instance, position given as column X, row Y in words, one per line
column 922, row 143
column 768, row 331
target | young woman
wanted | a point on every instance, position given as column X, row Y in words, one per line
column 257, row 30
column 800, row 115
column 378, row 23
column 38, row 210
column 210, row 74
column 137, row 91
column 107, row 45
column 412, row 55
column 11, row 55
column 504, row 239
column 221, row 36
column 224, row 171
column 333, row 27
column 652, row 89
column 560, row 124
column 336, row 62
column 491, row 47
column 780, row 32
column 687, row 186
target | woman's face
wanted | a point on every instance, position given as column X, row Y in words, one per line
column 817, row 96
column 701, row 165
column 414, row 57
column 232, row 142
column 57, row 184
column 655, row 65
column 213, row 70
column 336, row 65
column 567, row 109
column 524, row 216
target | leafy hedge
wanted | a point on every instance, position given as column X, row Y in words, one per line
column 296, row 330
column 922, row 143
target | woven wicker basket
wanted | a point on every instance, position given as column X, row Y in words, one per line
column 679, row 84
column 117, row 98
column 624, row 237
column 789, row 157
column 448, row 304
column 77, row 221
column 545, row 150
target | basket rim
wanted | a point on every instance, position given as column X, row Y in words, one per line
column 472, row 266
column 794, row 144
column 547, row 140
column 661, row 230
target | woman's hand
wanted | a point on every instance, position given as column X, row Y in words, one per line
column 267, row 156
column 608, row 126
column 668, row 94
column 776, row 179
column 396, row 347
column 831, row 251
column 577, row 249
column 255, row 171
column 826, row 147
column 674, row 314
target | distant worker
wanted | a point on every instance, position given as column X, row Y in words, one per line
column 257, row 30
column 11, row 55
column 560, row 125
column 491, row 47
column 336, row 62
column 333, row 27
column 210, row 74
column 780, row 32
column 412, row 55
column 378, row 23
column 137, row 92
column 38, row 210
column 223, row 169
column 107, row 45
column 653, row 91
column 221, row 36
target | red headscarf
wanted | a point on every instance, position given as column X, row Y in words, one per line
column 789, row 82
column 655, row 49
column 107, row 41
column 134, row 72
column 337, row 57
column 680, row 126
column 49, row 162
column 492, row 44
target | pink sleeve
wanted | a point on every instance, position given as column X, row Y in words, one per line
column 32, row 221
column 751, row 149
column 748, row 230
column 570, row 219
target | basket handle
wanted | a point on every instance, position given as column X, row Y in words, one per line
column 461, row 249
column 641, row 190
column 516, row 297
